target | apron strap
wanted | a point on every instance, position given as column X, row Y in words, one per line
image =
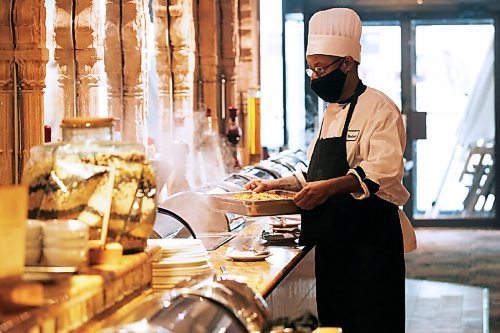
column 354, row 100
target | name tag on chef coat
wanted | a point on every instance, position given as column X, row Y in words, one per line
column 352, row 135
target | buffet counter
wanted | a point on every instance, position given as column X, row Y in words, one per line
column 263, row 275
column 64, row 303
column 285, row 279
column 92, row 300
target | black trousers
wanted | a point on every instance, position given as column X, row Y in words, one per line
column 360, row 273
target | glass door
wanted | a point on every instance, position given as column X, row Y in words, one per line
column 381, row 58
column 454, row 86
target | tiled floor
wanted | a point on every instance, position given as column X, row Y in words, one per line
column 439, row 307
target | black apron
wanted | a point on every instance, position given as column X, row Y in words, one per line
column 359, row 262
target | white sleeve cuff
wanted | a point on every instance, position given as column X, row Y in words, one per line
column 299, row 174
column 359, row 195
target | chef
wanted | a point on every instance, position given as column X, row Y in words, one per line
column 350, row 193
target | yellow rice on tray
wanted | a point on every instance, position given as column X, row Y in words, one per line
column 259, row 196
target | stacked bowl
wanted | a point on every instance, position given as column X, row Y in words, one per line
column 33, row 242
column 177, row 261
column 65, row 242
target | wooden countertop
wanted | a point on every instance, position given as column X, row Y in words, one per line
column 262, row 276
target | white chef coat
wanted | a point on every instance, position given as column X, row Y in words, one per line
column 376, row 140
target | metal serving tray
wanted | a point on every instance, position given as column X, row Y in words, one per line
column 226, row 202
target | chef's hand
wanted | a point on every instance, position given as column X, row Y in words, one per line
column 259, row 185
column 313, row 194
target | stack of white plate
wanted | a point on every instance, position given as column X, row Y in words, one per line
column 178, row 260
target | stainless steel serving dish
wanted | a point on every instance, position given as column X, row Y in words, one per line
column 282, row 169
column 238, row 180
column 205, row 304
column 226, row 202
column 259, row 171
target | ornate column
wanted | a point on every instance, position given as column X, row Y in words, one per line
column 31, row 57
column 88, row 56
column 208, row 52
column 163, row 63
column 249, row 79
column 182, row 41
column 230, row 49
column 113, row 60
column 6, row 95
column 65, row 57
column 134, row 73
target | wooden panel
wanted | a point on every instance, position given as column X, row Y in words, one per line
column 6, row 95
column 31, row 57
column 209, row 61
column 162, row 47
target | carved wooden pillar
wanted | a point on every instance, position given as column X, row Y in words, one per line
column 230, row 49
column 248, row 79
column 88, row 56
column 64, row 57
column 163, row 63
column 6, row 96
column 182, row 41
column 113, row 59
column 135, row 76
column 208, row 52
column 31, row 57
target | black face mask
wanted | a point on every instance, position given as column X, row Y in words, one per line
column 329, row 87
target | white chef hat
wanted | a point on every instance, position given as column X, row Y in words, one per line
column 336, row 32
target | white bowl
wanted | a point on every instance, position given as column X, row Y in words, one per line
column 65, row 229
column 33, row 229
column 52, row 242
column 64, row 257
column 32, row 256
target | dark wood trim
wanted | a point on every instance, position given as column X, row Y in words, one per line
column 497, row 113
column 406, row 14
column 408, row 103
column 283, row 52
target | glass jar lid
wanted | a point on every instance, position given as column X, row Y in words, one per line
column 84, row 122
column 87, row 129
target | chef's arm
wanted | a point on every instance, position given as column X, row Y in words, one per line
column 290, row 183
column 317, row 192
column 344, row 184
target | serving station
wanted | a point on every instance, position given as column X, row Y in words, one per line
column 247, row 249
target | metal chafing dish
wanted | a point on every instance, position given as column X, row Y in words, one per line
column 191, row 212
column 290, row 161
column 238, row 180
column 259, row 171
column 205, row 304
column 282, row 169
column 300, row 154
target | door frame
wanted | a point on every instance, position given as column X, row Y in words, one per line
column 406, row 15
column 408, row 105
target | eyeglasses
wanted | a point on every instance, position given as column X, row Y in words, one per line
column 320, row 71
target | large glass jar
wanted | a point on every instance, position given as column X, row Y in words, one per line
column 92, row 180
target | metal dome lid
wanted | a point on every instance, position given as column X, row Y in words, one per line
column 246, row 305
